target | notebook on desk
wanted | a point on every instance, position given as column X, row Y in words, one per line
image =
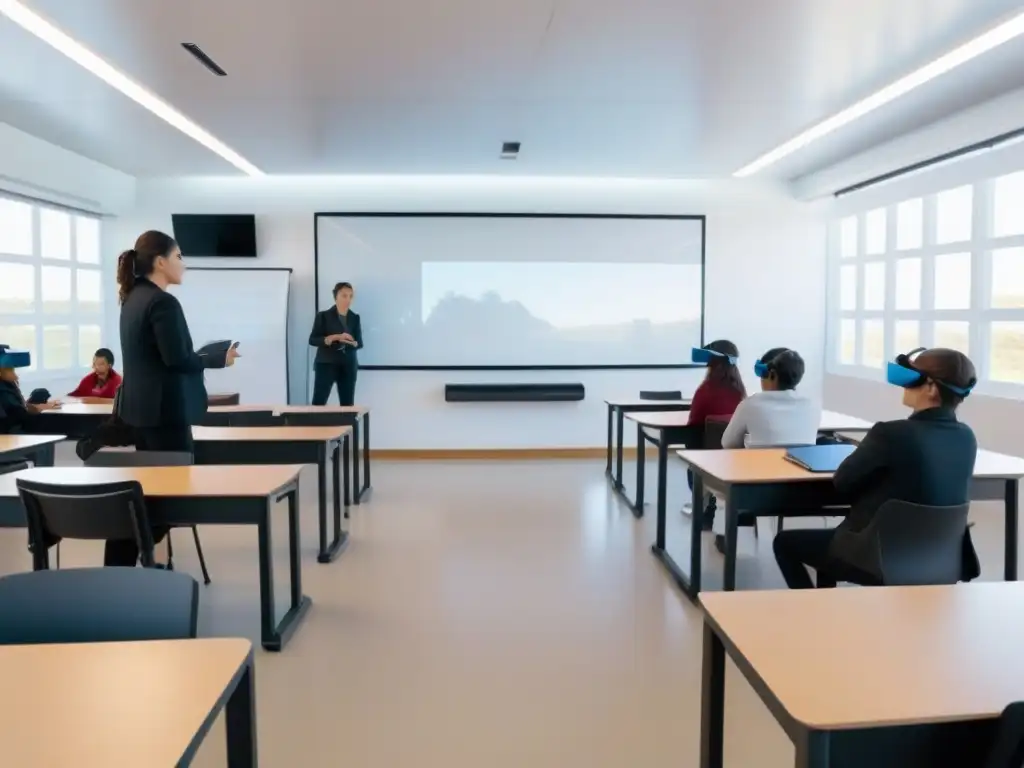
column 820, row 458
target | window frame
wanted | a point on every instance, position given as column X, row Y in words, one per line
column 76, row 315
column 980, row 315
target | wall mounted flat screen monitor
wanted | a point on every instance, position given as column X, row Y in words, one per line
column 229, row 236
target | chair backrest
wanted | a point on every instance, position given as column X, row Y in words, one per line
column 98, row 511
column 326, row 419
column 714, row 429
column 918, row 544
column 649, row 394
column 1008, row 749
column 94, row 605
column 115, row 458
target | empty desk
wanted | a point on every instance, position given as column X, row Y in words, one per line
column 35, row 448
column 186, row 496
column 146, row 704
column 616, row 412
column 888, row 677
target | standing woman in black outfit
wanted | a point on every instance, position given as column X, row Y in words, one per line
column 337, row 334
column 163, row 393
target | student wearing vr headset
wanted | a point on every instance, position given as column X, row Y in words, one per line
column 15, row 410
column 925, row 459
column 717, row 396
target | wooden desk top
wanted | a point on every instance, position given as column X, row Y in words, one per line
column 282, row 434
column 23, row 442
column 103, row 704
column 830, row 421
column 84, row 409
column 766, row 465
column 869, row 657
column 277, row 410
column 253, row 481
column 636, row 402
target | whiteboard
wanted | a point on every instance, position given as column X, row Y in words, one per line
column 521, row 291
column 249, row 306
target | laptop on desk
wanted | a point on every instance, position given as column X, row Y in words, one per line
column 820, row 458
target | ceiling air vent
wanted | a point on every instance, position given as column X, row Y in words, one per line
column 510, row 150
column 203, row 59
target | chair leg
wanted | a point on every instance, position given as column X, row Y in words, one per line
column 202, row 559
column 170, row 552
column 778, row 523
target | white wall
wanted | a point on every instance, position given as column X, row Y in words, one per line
column 764, row 286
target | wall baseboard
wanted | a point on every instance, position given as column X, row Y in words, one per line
column 498, row 454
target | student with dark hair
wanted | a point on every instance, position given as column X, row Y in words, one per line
column 777, row 415
column 15, row 410
column 337, row 335
column 103, row 381
column 163, row 393
column 718, row 395
column 926, row 459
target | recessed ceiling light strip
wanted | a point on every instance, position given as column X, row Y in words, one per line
column 78, row 53
column 993, row 38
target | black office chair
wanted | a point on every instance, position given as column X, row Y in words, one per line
column 120, row 458
column 101, row 511
column 95, row 605
column 673, row 394
column 714, row 430
column 1008, row 750
column 912, row 544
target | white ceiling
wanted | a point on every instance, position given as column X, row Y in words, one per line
column 658, row 88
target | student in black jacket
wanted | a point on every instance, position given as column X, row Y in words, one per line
column 337, row 335
column 927, row 459
column 163, row 393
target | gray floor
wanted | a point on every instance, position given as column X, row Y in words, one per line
column 488, row 614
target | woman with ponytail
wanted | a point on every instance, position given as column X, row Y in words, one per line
column 163, row 393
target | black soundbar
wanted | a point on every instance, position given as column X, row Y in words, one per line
column 512, row 393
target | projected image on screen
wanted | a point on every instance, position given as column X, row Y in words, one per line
column 562, row 310
column 449, row 291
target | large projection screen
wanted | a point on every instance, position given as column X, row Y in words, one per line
column 518, row 291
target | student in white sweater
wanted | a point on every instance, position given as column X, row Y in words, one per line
column 776, row 416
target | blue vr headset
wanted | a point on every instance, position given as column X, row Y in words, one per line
column 12, row 358
column 761, row 369
column 703, row 356
column 902, row 373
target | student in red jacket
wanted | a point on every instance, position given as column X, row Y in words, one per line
column 718, row 395
column 103, row 381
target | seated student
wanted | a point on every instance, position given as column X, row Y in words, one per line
column 718, row 395
column 14, row 410
column 927, row 458
column 103, row 381
column 777, row 415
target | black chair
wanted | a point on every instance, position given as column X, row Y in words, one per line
column 118, row 458
column 911, row 544
column 101, row 511
column 95, row 605
column 673, row 394
column 1008, row 750
column 714, row 430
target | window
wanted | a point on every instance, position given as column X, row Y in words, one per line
column 1008, row 205
column 910, row 225
column 954, row 212
column 51, row 286
column 945, row 269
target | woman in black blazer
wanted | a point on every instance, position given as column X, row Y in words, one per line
column 163, row 393
column 925, row 459
column 337, row 335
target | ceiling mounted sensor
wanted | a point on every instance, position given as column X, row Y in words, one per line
column 61, row 42
column 203, row 58
column 998, row 35
column 510, row 150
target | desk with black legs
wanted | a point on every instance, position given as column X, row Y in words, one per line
column 759, row 482
column 617, row 409
column 288, row 445
column 145, row 704
column 36, row 448
column 891, row 678
column 187, row 496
